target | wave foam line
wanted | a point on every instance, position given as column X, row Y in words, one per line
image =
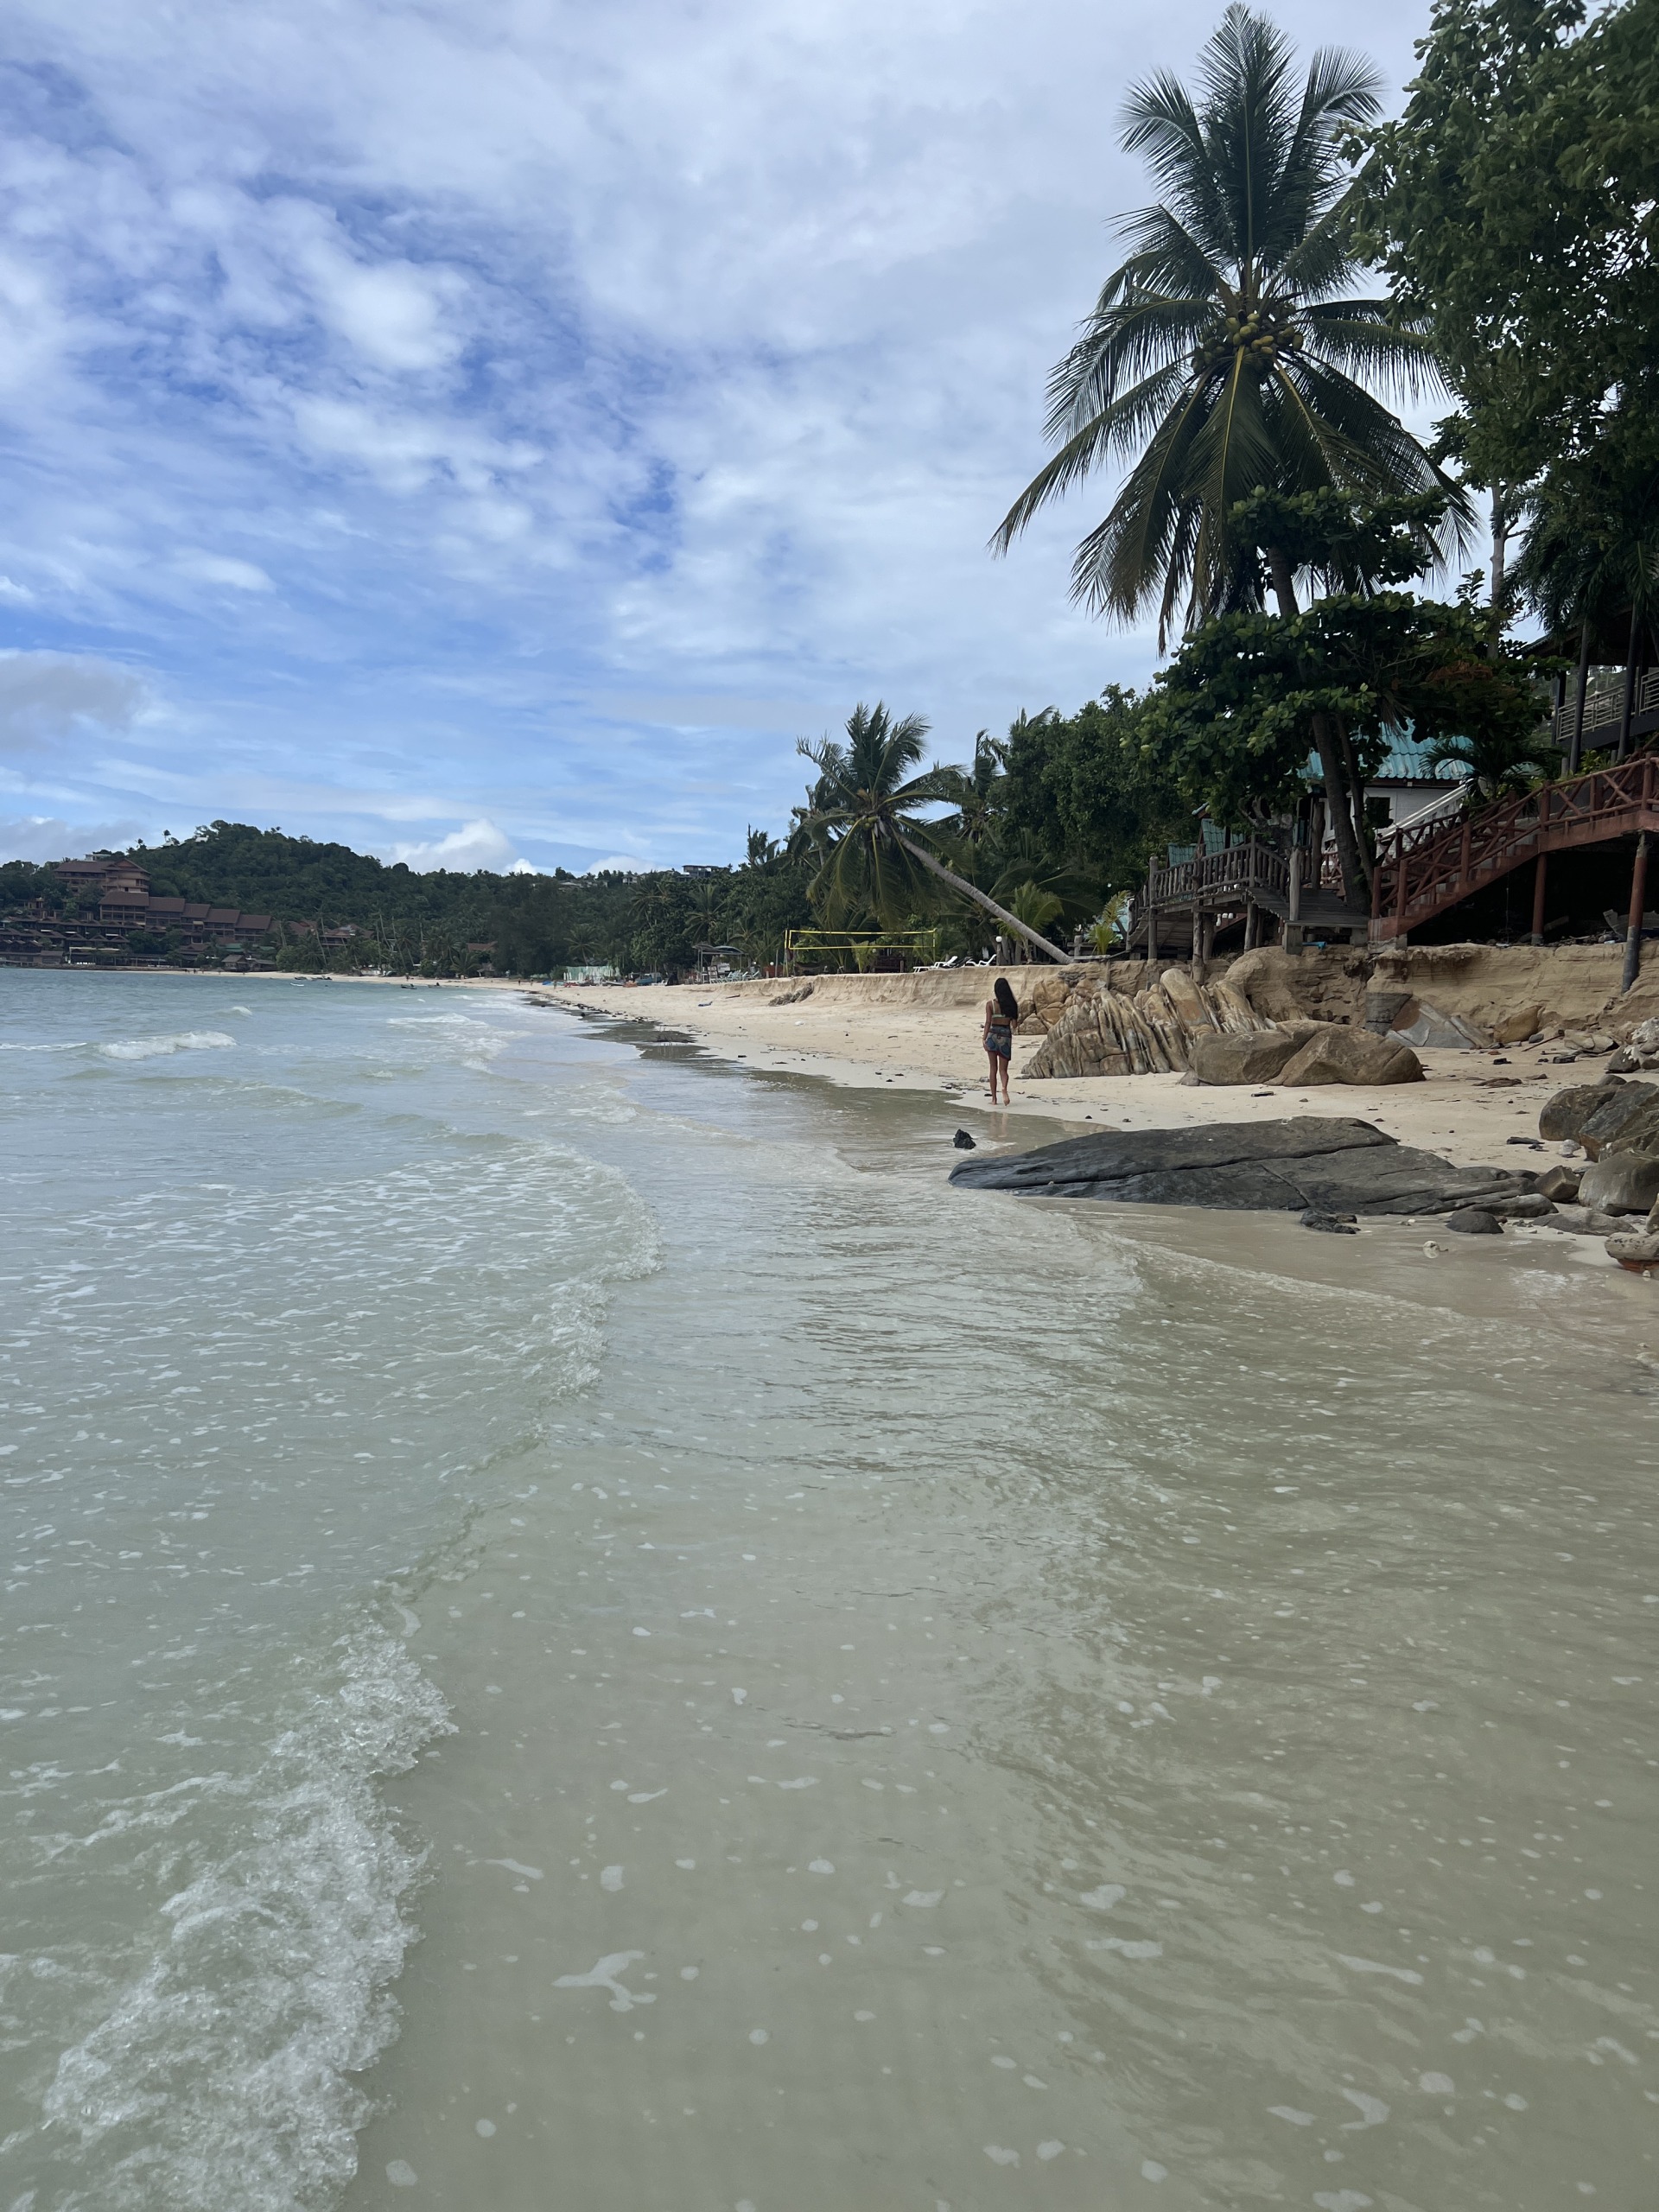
column 220, row 2075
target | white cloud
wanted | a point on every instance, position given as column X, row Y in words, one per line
column 224, row 568
column 474, row 845
column 675, row 361
column 47, row 837
column 47, row 699
column 618, row 864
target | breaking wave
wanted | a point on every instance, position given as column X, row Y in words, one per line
column 222, row 2073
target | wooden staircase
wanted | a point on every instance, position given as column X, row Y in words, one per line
column 1421, row 871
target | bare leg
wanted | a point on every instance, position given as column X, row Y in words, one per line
column 991, row 1057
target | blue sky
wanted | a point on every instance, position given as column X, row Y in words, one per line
column 484, row 431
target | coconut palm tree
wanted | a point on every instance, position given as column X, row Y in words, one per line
column 875, row 853
column 1225, row 353
column 977, row 794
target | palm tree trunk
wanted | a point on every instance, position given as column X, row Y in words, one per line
column 1342, row 802
column 982, row 898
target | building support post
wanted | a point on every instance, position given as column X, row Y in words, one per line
column 1249, row 925
column 1575, row 751
column 1293, row 904
column 1638, row 900
column 1197, row 939
column 1628, row 706
column 1540, row 878
column 1151, row 914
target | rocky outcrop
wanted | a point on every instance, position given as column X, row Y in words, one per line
column 1102, row 1032
column 1311, row 1161
column 1617, row 1124
column 1310, row 986
column 1621, row 1182
column 1564, row 1113
column 1338, row 1055
column 1258, row 1056
column 1044, row 994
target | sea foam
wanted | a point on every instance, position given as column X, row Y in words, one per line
column 155, row 1048
column 221, row 2074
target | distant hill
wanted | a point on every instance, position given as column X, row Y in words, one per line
column 436, row 919
column 264, row 871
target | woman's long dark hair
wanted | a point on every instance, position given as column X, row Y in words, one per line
column 1004, row 999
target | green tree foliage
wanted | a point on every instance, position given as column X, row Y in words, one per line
column 1234, row 713
column 1091, row 785
column 1230, row 351
column 878, row 855
column 1515, row 204
column 427, row 923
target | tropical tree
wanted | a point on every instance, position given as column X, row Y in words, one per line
column 1090, row 783
column 876, row 853
column 1495, row 763
column 976, row 793
column 1226, row 352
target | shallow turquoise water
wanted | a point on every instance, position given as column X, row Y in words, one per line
column 866, row 1694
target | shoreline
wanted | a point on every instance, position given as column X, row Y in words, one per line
column 1468, row 1108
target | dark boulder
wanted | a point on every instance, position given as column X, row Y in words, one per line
column 1474, row 1221
column 964, row 1142
column 1309, row 1161
column 1625, row 1121
column 1565, row 1112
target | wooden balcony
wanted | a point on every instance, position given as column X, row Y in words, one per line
column 1604, row 713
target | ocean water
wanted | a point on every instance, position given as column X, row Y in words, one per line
column 579, row 1629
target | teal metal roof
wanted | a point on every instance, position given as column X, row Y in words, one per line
column 1405, row 762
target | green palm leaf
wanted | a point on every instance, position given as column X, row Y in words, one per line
column 1230, row 351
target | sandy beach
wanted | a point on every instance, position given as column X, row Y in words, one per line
column 921, row 1032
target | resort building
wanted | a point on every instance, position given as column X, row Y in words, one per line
column 112, row 905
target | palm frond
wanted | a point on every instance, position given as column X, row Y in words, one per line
column 1137, row 338
column 1125, row 421
column 1231, row 349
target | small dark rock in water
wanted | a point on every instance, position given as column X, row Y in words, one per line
column 964, row 1142
column 1333, row 1224
column 1473, row 1221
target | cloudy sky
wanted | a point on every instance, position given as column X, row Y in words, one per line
column 484, row 430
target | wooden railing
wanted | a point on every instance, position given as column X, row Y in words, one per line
column 1240, row 871
column 1420, row 871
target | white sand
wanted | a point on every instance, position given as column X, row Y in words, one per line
column 921, row 1032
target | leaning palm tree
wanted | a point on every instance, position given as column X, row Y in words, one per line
column 1224, row 354
column 875, row 853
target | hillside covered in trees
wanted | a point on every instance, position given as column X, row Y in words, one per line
column 1013, row 825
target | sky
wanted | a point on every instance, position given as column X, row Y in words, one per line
column 492, row 433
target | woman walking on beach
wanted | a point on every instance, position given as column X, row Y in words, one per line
column 1001, row 1012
